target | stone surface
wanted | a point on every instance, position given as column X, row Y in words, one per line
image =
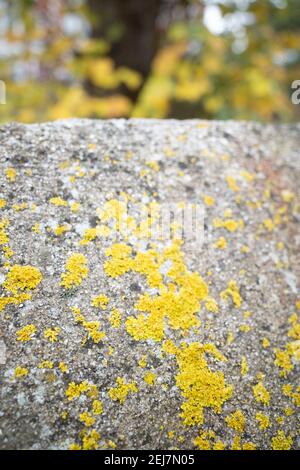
column 252, row 173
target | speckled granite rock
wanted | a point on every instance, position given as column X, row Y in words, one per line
column 235, row 373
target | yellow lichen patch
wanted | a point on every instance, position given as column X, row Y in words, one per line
column 230, row 338
column 233, row 292
column 249, row 446
column 90, row 441
column 283, row 361
column 211, row 305
column 261, row 394
column 245, row 328
column 219, row 445
column 92, row 327
column 265, row 343
column 21, row 372
column 231, row 181
column 58, row 202
column 244, row 366
column 45, row 365
column 208, row 200
column 247, row 176
column 4, row 240
column 179, row 304
column 143, row 361
column 11, row 174
column 263, row 420
column 115, row 318
column 287, row 390
column 289, row 411
column 2, row 203
column 87, row 419
column 75, row 390
column 61, row 229
column 287, row 195
column 63, row 367
column 200, row 386
column 202, row 442
column 100, row 301
column 36, row 228
column 89, row 235
column 150, row 378
column 221, row 243
column 120, row 261
column 76, row 271
column 16, row 300
column 236, row 421
column 153, row 165
column 52, row 334
column 19, row 207
column 281, row 441
column 20, row 278
column 75, row 206
column 121, row 391
column 26, row 333
column 97, row 407
column 268, row 224
column 229, row 224
column 294, row 331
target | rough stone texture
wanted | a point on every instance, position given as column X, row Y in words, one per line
column 108, row 158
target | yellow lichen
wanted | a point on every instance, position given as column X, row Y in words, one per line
column 75, row 390
column 230, row 225
column 265, row 343
column 89, row 235
column 233, row 292
column 283, row 361
column 52, row 334
column 236, row 421
column 21, row 371
column 150, row 378
column 211, row 305
column 244, row 366
column 63, row 367
column 87, row 419
column 11, row 174
column 200, row 386
column 20, row 278
column 121, row 391
column 261, row 394
column 92, row 327
column 26, row 333
column 231, row 181
column 202, row 442
column 221, row 243
column 100, row 301
column 115, row 318
column 209, row 200
column 76, row 271
column 97, row 407
column 281, row 441
column 263, row 420
column 45, row 365
column 58, row 202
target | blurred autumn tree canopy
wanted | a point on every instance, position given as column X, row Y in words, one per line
column 216, row 59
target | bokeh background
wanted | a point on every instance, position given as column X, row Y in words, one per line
column 215, row 59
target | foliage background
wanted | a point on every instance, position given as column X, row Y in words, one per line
column 216, row 59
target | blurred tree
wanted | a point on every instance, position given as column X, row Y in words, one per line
column 158, row 58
